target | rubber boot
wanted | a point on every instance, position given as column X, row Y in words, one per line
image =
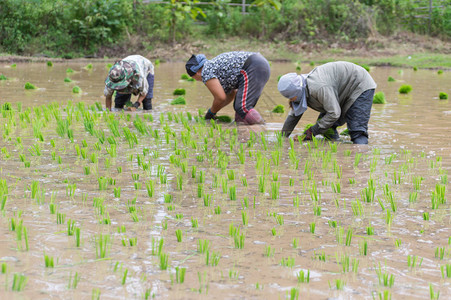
column 253, row 117
column 147, row 104
column 360, row 140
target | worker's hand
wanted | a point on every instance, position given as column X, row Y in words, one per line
column 136, row 104
column 308, row 134
column 210, row 115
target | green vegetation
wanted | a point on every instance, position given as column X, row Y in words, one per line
column 67, row 79
column 279, row 109
column 75, row 28
column 49, row 64
column 391, row 79
column 224, row 119
column 76, row 90
column 379, row 98
column 405, row 89
column 3, row 77
column 443, row 96
column 30, row 86
column 179, row 101
column 179, row 92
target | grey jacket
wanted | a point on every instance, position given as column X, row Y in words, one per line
column 332, row 89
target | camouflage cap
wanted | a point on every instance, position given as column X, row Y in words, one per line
column 120, row 75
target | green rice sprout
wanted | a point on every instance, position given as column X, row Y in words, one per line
column 379, row 98
column 194, row 223
column 77, row 236
column 30, row 86
column 124, row 276
column 179, row 235
column 180, row 274
column 164, row 258
column 413, row 261
column 203, row 246
column 439, row 72
column 433, row 294
column 303, row 276
column 69, row 70
column 179, row 92
column 443, row 96
column 223, row 119
column 385, row 279
column 185, row 77
column 269, row 251
column 3, row 77
column 19, row 282
column 287, row 262
column 76, row 90
column 179, row 101
column 73, row 281
column 48, row 260
column 49, row 63
column 312, row 227
column 88, row 67
column 391, row 79
column 405, row 89
column 279, row 109
column 446, row 271
column 103, row 244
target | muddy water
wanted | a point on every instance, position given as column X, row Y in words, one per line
column 319, row 185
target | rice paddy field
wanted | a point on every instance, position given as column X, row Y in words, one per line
column 161, row 204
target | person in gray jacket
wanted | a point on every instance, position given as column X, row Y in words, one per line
column 341, row 91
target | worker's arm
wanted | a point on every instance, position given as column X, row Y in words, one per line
column 108, row 101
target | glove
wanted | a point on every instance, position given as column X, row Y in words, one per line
column 209, row 115
column 308, row 134
column 136, row 104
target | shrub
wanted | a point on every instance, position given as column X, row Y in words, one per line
column 379, row 98
column 178, row 101
column 279, row 109
column 405, row 89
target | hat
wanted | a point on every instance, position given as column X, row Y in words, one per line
column 293, row 85
column 195, row 63
column 120, row 75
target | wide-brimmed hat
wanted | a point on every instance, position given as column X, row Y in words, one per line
column 120, row 75
column 194, row 64
column 293, row 85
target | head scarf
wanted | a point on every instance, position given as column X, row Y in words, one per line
column 195, row 63
column 293, row 85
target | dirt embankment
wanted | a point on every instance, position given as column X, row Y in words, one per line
column 375, row 46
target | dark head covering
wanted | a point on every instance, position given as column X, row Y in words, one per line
column 195, row 63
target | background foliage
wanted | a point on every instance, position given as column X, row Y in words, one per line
column 82, row 27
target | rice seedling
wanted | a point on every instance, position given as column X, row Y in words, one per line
column 303, row 276
column 312, row 227
column 3, row 77
column 385, row 279
column 405, row 89
column 60, row 218
column 203, row 246
column 124, row 276
column 269, row 251
column 212, row 259
column 238, row 239
column 440, row 252
column 245, row 218
column 439, row 72
column 88, row 67
column 446, row 271
column 179, row 92
column 279, row 109
column 379, row 98
column 73, row 281
column 217, row 210
column 294, row 294
column 19, row 282
column 179, row 235
column 103, row 244
column 30, row 86
column 413, row 261
column 287, row 262
column 95, row 295
column 48, row 260
column 180, row 274
column 76, row 89
column 179, row 101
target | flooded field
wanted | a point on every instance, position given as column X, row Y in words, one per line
column 138, row 205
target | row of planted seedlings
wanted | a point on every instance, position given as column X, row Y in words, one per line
column 212, row 186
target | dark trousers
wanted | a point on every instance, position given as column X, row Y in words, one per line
column 121, row 99
column 254, row 75
column 358, row 117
